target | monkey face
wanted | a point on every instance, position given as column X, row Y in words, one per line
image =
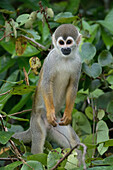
column 65, row 45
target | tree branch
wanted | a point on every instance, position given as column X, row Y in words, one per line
column 5, row 36
column 33, row 41
column 67, row 154
column 5, row 93
column 8, row 159
column 28, row 110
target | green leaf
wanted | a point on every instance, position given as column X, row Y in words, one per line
column 89, row 112
column 30, row 51
column 94, row 85
column 87, row 52
column 107, row 22
column 81, row 123
column 110, row 110
column 21, row 103
column 108, row 143
column 102, row 149
column 106, row 161
column 86, row 26
column 5, row 136
column 73, row 6
column 65, row 17
column 53, row 157
column 13, row 165
column 110, row 79
column 22, row 89
column 6, row 63
column 107, row 38
column 93, row 71
column 94, row 30
column 105, row 58
column 33, row 164
column 72, row 161
column 22, row 19
column 104, row 99
column 90, row 142
column 41, row 157
column 8, row 46
column 102, row 132
column 45, row 32
column 7, row 31
column 96, row 93
column 5, row 11
column 110, row 107
column 101, row 114
column 34, row 34
column 7, row 86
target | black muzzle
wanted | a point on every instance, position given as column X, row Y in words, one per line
column 66, row 51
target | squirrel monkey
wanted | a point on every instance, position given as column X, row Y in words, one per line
column 57, row 86
column 60, row 74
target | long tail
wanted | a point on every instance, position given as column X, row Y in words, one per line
column 25, row 136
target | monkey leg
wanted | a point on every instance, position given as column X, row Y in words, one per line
column 38, row 131
column 65, row 137
column 24, row 136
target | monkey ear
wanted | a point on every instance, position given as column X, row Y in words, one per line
column 53, row 40
column 78, row 40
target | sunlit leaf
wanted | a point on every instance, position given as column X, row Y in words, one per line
column 7, row 31
column 89, row 112
column 22, row 19
column 101, row 114
column 102, row 131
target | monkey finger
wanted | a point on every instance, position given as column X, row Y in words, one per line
column 54, row 123
column 63, row 118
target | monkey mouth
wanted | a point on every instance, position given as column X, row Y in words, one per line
column 66, row 51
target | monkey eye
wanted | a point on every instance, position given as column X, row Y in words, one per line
column 69, row 42
column 61, row 42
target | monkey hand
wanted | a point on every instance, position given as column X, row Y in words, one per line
column 66, row 119
column 52, row 118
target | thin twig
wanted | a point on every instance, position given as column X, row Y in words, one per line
column 8, row 159
column 28, row 110
column 4, row 36
column 5, row 93
column 26, row 76
column 67, row 154
column 110, row 129
column 43, row 11
column 33, row 41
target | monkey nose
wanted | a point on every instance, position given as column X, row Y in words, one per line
column 66, row 51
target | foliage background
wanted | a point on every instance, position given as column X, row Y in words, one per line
column 93, row 110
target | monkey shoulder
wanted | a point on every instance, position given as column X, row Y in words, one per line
column 50, row 61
